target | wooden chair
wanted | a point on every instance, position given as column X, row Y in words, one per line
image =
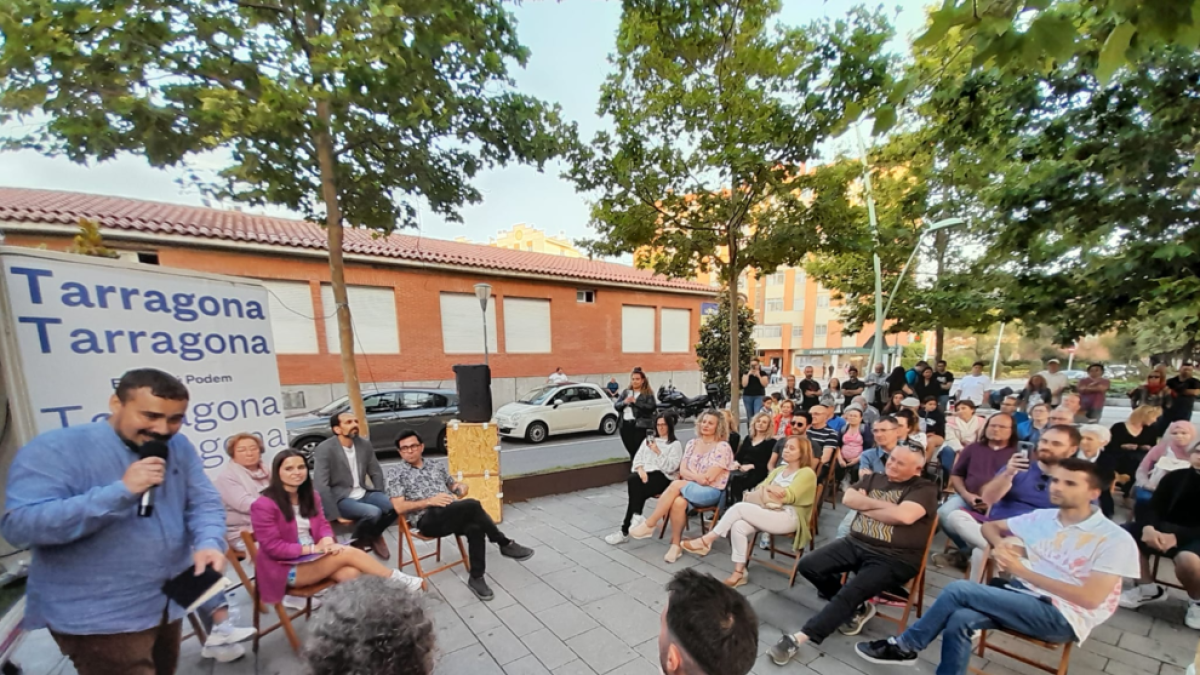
column 705, row 527
column 410, row 536
column 285, row 617
column 832, row 484
column 1063, row 662
column 789, row 552
column 916, row 588
column 234, row 557
column 1154, row 561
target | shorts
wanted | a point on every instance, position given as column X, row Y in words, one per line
column 701, row 495
column 1190, row 546
column 291, row 581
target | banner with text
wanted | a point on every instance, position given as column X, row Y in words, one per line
column 81, row 325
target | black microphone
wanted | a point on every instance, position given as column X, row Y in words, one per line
column 150, row 449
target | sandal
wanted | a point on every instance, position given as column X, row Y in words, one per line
column 696, row 546
column 742, row 579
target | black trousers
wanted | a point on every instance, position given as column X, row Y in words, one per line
column 873, row 573
column 465, row 517
column 639, row 492
column 632, row 436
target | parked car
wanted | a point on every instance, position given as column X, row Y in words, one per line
column 558, row 409
column 1073, row 375
column 425, row 411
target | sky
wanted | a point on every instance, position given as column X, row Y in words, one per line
column 570, row 41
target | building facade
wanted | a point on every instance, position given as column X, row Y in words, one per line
column 524, row 238
column 798, row 324
column 412, row 298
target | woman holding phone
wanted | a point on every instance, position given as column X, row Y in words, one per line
column 655, row 465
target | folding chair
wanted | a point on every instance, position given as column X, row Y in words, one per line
column 915, row 587
column 789, row 552
column 831, row 485
column 285, row 617
column 410, row 535
column 705, row 528
column 1064, row 661
column 197, row 625
column 1154, row 561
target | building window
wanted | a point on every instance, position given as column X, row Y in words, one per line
column 821, row 331
column 768, row 331
column 675, row 331
column 462, row 324
column 526, row 326
column 585, row 296
column 797, row 331
column 775, row 305
column 777, row 279
column 293, row 325
column 373, row 311
column 637, row 329
column 822, row 300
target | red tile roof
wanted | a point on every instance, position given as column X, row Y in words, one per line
column 66, row 208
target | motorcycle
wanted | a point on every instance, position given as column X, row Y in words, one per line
column 671, row 399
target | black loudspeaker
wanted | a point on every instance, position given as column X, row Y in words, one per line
column 474, row 393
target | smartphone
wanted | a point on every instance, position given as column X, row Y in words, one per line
column 1024, row 448
column 650, row 435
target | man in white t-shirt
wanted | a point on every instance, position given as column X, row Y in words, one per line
column 1056, row 380
column 557, row 377
column 973, row 386
column 1065, row 573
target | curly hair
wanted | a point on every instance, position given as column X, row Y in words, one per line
column 369, row 626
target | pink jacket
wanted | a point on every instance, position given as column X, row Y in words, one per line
column 278, row 540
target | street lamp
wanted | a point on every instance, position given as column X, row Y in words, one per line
column 483, row 292
column 939, row 225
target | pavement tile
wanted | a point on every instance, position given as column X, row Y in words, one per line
column 627, row 618
column 601, row 650
column 1174, row 654
column 479, row 617
column 579, row 585
column 1130, row 621
column 511, row 575
column 474, row 660
column 1118, row 668
column 519, row 620
column 502, row 644
column 548, row 561
column 1121, row 655
column 567, row 620
column 552, row 652
column 527, row 665
column 1173, row 633
column 638, row 666
column 613, row 572
column 538, row 597
column 576, row 667
column 650, row 593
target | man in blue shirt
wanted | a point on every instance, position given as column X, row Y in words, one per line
column 98, row 568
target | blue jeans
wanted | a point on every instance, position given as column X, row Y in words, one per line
column 753, row 405
column 210, row 607
column 965, row 607
column 373, row 514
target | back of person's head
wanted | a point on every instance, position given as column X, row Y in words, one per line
column 708, row 628
column 370, row 627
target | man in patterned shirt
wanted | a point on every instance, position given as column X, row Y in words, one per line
column 1065, row 573
column 896, row 510
column 435, row 506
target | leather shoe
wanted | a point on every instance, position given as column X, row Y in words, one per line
column 380, row 548
column 480, row 588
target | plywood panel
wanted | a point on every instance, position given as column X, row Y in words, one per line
column 472, row 448
column 488, row 491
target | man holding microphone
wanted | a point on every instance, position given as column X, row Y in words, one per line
column 99, row 565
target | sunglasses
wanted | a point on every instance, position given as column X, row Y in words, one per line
column 1043, row 482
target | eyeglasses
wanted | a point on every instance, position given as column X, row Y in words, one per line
column 410, row 446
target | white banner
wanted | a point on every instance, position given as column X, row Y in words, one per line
column 80, row 323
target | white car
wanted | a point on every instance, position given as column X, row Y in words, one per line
column 558, row 409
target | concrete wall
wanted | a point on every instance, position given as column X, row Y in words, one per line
column 504, row 389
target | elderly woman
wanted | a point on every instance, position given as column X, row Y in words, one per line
column 241, row 483
column 782, row 504
column 343, row 639
column 1093, row 439
column 703, row 474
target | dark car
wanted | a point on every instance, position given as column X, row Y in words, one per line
column 425, row 411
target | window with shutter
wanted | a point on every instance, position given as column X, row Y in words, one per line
column 676, row 331
column 373, row 313
column 462, row 324
column 526, row 326
column 637, row 329
column 293, row 322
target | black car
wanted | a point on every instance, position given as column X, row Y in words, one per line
column 425, row 411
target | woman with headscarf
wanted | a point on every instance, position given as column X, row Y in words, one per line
column 1153, row 392
column 1170, row 454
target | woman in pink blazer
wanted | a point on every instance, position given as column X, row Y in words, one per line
column 289, row 525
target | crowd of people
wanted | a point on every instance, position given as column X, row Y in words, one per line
column 1033, row 482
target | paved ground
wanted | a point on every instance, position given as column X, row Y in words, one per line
column 582, row 606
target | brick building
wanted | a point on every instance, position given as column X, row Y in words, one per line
column 412, row 298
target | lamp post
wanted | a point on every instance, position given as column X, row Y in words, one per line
column 483, row 292
column 939, row 225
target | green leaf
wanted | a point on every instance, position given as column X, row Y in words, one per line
column 885, row 119
column 1112, row 56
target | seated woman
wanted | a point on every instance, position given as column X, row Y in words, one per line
column 752, row 457
column 792, row 484
column 1131, row 441
column 1170, row 454
column 291, row 528
column 703, row 474
column 655, row 465
column 241, row 483
column 783, row 421
column 893, row 405
column 1092, row 441
column 852, row 441
column 933, row 423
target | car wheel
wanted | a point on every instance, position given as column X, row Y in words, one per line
column 536, row 433
column 441, row 442
column 305, row 447
column 608, row 426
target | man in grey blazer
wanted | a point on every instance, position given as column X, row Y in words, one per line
column 343, row 467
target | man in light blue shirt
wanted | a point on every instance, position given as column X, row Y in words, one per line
column 98, row 568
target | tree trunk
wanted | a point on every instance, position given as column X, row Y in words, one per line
column 735, row 388
column 941, row 241
column 337, row 273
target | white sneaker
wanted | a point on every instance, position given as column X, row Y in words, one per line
column 227, row 634
column 293, row 602
column 1141, row 595
column 407, row 580
column 638, row 519
column 616, row 538
column 223, row 653
column 1192, row 619
column 764, row 541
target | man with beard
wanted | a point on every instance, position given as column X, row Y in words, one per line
column 98, row 568
column 810, row 390
column 852, row 386
column 343, row 464
column 706, row 628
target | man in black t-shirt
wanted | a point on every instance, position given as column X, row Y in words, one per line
column 896, row 510
column 1184, row 389
column 945, row 380
column 810, row 390
column 852, row 386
